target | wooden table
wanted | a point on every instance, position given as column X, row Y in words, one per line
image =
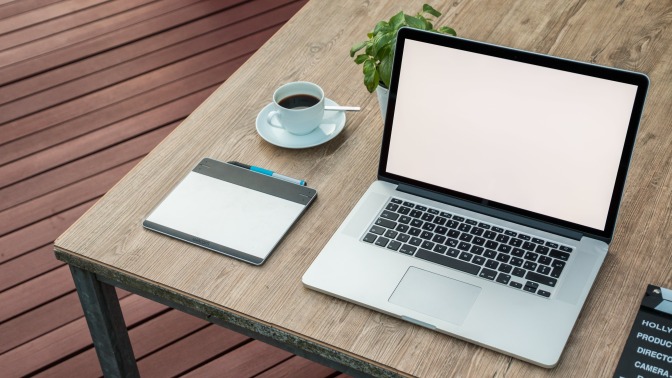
column 108, row 246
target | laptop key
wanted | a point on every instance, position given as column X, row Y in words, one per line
column 392, row 206
column 391, row 234
column 416, row 223
column 477, row 250
column 565, row 249
column 544, row 293
column 466, row 237
column 484, row 225
column 515, row 242
column 377, row 230
column 510, row 233
column 498, row 229
column 516, row 261
column 542, row 250
column 491, row 244
column 426, row 235
column 502, row 238
column 479, row 260
column 440, row 221
column 446, row 215
column 402, row 228
column 370, row 238
column 394, row 245
column 503, row 278
column 421, row 208
column 386, row 223
column 382, row 241
column 415, row 241
column 427, row 217
column 440, row 248
column 543, row 269
column 505, row 268
column 464, row 227
column 396, row 200
column 407, row 249
column 515, row 284
column 538, row 241
column 403, row 238
column 518, row 252
column 471, row 222
column 529, row 265
column 447, row 261
column 414, row 231
column 458, row 218
column 452, row 252
column 536, row 277
column 552, row 245
column 529, row 246
column 416, row 213
column 466, row 256
column 464, row 246
column 492, row 264
column 405, row 219
column 478, row 241
column 409, row 204
column 489, row 253
column 433, row 211
column 428, row 226
column 545, row 260
column 559, row 255
column 439, row 238
column 488, row 274
column 389, row 215
column 427, row 245
column 518, row 272
column 451, row 242
column 404, row 210
column 524, row 237
column 531, row 256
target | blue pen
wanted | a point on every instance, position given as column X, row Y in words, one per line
column 268, row 172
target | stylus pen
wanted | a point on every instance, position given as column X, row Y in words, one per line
column 268, row 172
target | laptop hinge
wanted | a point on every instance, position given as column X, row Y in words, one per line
column 472, row 206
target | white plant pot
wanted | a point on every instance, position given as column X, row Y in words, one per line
column 381, row 93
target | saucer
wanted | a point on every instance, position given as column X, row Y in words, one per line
column 332, row 124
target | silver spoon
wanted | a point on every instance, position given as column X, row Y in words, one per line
column 343, row 108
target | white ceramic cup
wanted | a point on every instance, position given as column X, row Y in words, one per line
column 299, row 107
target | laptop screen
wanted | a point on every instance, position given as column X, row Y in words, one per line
column 525, row 136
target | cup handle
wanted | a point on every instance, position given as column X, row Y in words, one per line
column 274, row 115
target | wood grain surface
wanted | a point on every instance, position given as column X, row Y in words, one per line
column 314, row 46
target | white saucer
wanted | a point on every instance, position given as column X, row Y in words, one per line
column 332, row 125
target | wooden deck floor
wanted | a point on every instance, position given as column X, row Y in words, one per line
column 87, row 88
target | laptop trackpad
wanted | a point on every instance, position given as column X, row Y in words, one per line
column 435, row 295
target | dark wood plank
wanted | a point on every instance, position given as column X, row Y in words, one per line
column 70, row 338
column 68, row 21
column 247, row 361
column 80, row 169
column 45, row 13
column 28, row 266
column 43, row 320
column 20, row 6
column 146, row 338
column 298, row 367
column 40, row 233
column 201, row 346
column 62, row 199
column 36, row 292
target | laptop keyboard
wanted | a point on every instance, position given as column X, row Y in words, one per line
column 486, row 250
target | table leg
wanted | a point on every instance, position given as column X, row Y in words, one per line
column 106, row 324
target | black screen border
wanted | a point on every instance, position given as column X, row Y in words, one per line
column 638, row 79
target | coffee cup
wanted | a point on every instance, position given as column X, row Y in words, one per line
column 298, row 107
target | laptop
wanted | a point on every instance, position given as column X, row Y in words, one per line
column 499, row 182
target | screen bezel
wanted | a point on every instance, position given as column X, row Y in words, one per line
column 633, row 78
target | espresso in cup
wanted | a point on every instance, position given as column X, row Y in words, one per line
column 298, row 107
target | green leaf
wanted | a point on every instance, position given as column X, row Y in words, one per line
column 397, row 21
column 357, row 47
column 414, row 22
column 447, row 30
column 361, row 58
column 428, row 9
column 371, row 76
column 381, row 41
column 381, row 27
column 385, row 69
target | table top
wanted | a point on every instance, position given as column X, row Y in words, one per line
column 313, row 46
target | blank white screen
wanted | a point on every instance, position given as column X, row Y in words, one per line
column 531, row 137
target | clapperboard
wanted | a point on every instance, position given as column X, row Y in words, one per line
column 648, row 351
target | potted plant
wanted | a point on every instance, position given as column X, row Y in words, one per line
column 379, row 49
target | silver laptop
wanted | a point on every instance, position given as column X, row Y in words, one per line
column 500, row 176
